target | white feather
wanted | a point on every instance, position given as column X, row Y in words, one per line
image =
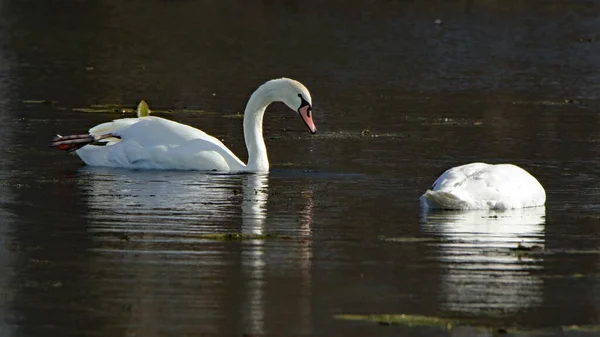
column 484, row 186
column 157, row 143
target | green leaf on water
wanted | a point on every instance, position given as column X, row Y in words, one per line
column 142, row 109
column 409, row 239
column 450, row 323
column 234, row 236
column 37, row 101
column 154, row 111
column 401, row 319
column 105, row 106
column 91, row 110
column 197, row 111
column 582, row 328
column 237, row 115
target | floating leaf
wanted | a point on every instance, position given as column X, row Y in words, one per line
column 91, row 110
column 409, row 239
column 198, row 111
column 401, row 319
column 37, row 101
column 239, row 236
column 142, row 109
column 105, row 106
column 237, row 115
column 582, row 328
column 450, row 323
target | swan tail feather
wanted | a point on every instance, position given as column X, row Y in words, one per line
column 442, row 200
column 75, row 142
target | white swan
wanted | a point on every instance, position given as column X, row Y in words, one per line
column 156, row 143
column 484, row 186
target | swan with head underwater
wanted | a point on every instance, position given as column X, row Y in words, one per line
column 156, row 143
column 484, row 186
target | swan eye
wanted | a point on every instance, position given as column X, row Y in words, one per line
column 303, row 102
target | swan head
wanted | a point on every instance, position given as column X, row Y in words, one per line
column 295, row 95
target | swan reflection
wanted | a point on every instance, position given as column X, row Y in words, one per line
column 161, row 202
column 482, row 273
column 253, row 218
column 257, row 257
column 254, row 204
column 147, row 231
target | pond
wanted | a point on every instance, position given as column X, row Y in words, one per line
column 333, row 237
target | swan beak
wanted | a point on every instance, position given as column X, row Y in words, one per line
column 306, row 114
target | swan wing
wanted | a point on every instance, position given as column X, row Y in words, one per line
column 112, row 126
column 157, row 143
column 152, row 131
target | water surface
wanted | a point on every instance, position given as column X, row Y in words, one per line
column 398, row 98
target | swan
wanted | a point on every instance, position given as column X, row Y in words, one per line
column 484, row 186
column 152, row 142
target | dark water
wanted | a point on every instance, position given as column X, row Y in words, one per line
column 98, row 252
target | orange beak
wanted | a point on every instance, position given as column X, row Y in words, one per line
column 306, row 114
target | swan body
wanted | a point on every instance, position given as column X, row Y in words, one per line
column 150, row 142
column 484, row 186
column 156, row 143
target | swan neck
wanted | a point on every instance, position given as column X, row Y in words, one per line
column 253, row 130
